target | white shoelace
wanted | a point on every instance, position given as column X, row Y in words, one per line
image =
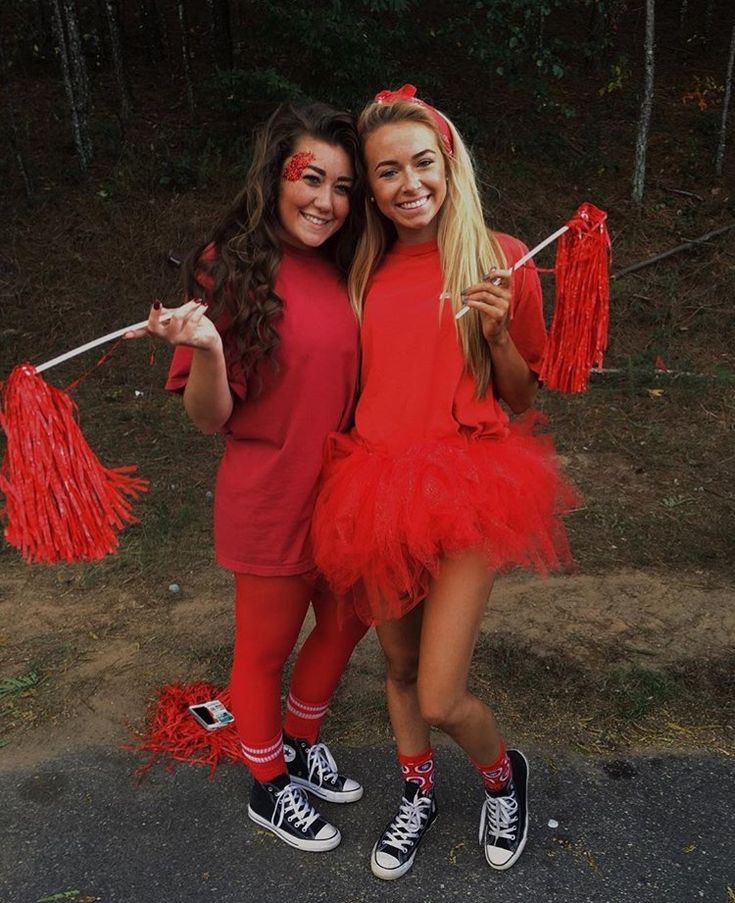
column 502, row 816
column 293, row 805
column 321, row 764
column 408, row 823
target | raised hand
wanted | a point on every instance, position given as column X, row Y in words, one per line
column 185, row 325
column 493, row 300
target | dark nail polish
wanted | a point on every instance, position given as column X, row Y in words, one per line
column 156, row 305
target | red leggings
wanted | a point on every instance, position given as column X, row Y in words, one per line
column 269, row 613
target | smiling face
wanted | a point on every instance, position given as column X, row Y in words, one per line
column 314, row 192
column 407, row 178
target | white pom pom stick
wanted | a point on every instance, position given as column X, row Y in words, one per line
column 519, row 263
column 111, row 336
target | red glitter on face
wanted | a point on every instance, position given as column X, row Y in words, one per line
column 296, row 166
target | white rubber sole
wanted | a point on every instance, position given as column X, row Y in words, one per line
column 511, row 861
column 310, row 846
column 391, row 874
column 330, row 796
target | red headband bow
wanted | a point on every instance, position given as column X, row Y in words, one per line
column 407, row 94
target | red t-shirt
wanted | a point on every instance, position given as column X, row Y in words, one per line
column 267, row 479
column 414, row 382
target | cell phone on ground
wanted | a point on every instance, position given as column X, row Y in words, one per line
column 212, row 714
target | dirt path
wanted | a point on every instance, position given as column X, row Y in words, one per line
column 100, row 652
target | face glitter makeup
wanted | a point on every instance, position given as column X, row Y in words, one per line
column 296, row 166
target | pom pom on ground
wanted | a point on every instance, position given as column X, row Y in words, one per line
column 172, row 735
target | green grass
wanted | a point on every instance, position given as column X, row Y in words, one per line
column 616, row 699
column 12, row 685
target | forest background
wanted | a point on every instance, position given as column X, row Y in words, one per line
column 126, row 127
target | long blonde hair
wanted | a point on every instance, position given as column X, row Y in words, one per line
column 467, row 249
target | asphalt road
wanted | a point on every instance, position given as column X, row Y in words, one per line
column 643, row 830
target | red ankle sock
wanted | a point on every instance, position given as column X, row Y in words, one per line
column 419, row 769
column 496, row 775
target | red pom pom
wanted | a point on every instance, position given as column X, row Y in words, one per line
column 61, row 504
column 172, row 735
column 578, row 335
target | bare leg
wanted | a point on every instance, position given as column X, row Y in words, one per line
column 452, row 616
column 400, row 641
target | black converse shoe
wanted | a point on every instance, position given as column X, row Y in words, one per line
column 504, row 817
column 284, row 809
column 396, row 849
column 313, row 767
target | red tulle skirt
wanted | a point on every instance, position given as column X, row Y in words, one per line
column 383, row 522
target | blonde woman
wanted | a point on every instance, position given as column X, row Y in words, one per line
column 435, row 490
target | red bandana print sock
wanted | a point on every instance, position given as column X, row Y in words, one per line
column 496, row 775
column 419, row 769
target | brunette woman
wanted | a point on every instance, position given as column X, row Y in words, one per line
column 266, row 353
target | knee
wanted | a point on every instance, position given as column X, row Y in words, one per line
column 333, row 633
column 402, row 671
column 258, row 658
column 439, row 708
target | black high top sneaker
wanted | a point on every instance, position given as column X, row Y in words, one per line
column 284, row 809
column 504, row 817
column 312, row 766
column 396, row 849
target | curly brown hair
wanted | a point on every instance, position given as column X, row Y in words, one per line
column 239, row 272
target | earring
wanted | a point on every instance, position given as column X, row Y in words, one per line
column 372, row 199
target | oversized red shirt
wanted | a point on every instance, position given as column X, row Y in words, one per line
column 267, row 479
column 414, row 382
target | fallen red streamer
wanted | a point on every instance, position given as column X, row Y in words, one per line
column 172, row 735
column 61, row 503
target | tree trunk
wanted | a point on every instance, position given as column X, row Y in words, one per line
column 42, row 27
column 10, row 128
column 118, row 60
column 220, row 33
column 644, row 123
column 709, row 14
column 720, row 158
column 181, row 11
column 152, row 33
column 20, row 161
column 74, row 73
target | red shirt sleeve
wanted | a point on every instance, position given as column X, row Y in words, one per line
column 178, row 371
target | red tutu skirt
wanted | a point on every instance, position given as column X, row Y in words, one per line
column 383, row 522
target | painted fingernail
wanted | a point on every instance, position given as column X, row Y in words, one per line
column 156, row 305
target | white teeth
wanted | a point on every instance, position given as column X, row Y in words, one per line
column 314, row 219
column 412, row 205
